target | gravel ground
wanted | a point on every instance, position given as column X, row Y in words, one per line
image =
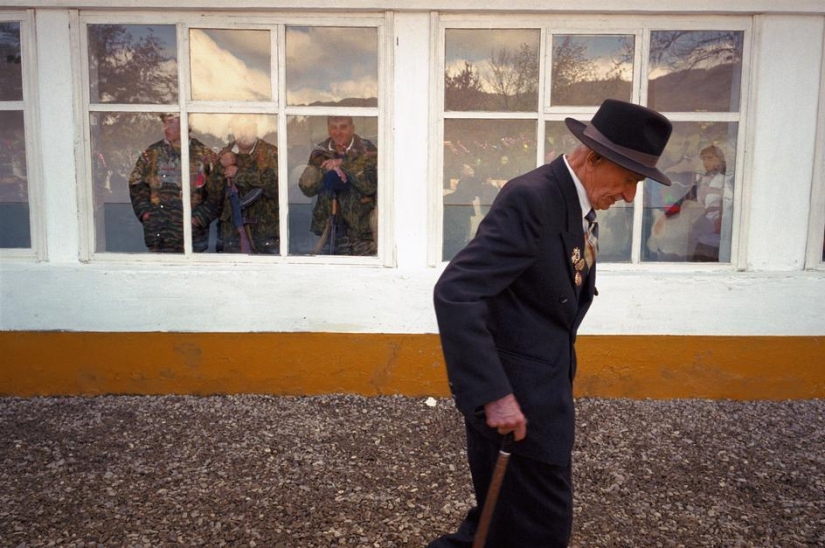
column 389, row 471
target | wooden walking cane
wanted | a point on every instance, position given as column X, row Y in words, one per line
column 492, row 492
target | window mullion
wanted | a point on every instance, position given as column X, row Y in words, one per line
column 184, row 96
column 279, row 93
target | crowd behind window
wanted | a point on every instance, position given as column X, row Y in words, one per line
column 234, row 174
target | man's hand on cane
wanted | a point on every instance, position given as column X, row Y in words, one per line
column 505, row 415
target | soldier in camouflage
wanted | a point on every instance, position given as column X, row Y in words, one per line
column 344, row 168
column 252, row 165
column 155, row 189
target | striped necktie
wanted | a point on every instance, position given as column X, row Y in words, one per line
column 591, row 239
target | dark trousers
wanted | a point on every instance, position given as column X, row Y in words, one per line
column 534, row 508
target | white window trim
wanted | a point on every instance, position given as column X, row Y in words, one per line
column 31, row 124
column 816, row 224
column 276, row 23
column 597, row 24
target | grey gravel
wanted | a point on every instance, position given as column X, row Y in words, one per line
column 337, row 470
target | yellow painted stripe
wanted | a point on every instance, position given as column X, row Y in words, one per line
column 661, row 367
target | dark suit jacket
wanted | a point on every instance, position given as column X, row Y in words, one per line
column 508, row 310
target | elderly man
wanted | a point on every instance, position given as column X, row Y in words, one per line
column 509, row 306
column 342, row 173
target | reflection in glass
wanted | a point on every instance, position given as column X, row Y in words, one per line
column 587, row 69
column 11, row 75
column 332, row 66
column 230, row 65
column 692, row 219
column 137, row 183
column 491, row 70
column 557, row 141
column 14, row 193
column 133, row 64
column 480, row 156
column 616, row 223
column 245, row 178
column 333, row 160
column 693, row 71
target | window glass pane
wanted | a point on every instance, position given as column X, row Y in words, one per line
column 333, row 182
column 11, row 76
column 137, row 182
column 491, row 70
column 332, row 66
column 133, row 64
column 695, row 71
column 480, row 156
column 587, row 70
column 230, row 65
column 240, row 193
column 692, row 219
column 15, row 228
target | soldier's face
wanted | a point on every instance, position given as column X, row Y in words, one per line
column 171, row 129
column 341, row 130
column 246, row 135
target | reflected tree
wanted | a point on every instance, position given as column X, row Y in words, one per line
column 576, row 80
column 462, row 90
column 570, row 66
column 514, row 77
column 509, row 84
column 11, row 80
column 684, row 50
column 125, row 68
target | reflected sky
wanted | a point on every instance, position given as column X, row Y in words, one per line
column 328, row 64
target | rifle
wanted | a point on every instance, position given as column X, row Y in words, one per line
column 237, row 217
column 330, row 230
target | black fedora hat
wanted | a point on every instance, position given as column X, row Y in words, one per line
column 630, row 135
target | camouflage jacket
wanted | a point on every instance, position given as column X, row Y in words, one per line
column 360, row 163
column 155, row 187
column 256, row 170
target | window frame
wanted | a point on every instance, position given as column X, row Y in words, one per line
column 28, row 105
column 276, row 24
column 640, row 28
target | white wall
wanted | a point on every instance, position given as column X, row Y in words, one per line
column 775, row 297
column 789, row 60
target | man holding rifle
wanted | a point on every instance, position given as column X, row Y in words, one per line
column 250, row 217
column 342, row 173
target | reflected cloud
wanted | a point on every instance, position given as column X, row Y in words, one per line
column 221, row 74
column 222, row 128
column 476, row 46
column 331, row 64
